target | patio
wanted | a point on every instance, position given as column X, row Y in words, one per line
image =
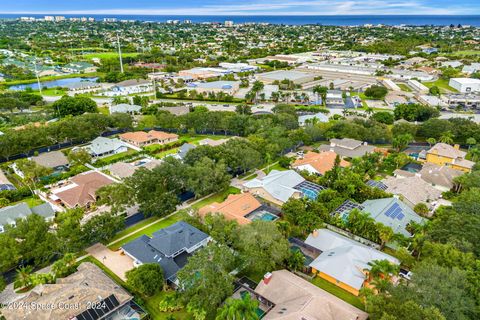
column 113, row 260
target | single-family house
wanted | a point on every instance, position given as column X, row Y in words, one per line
column 55, row 160
column 243, row 208
column 124, row 108
column 295, row 298
column 318, row 163
column 393, row 213
column 183, row 150
column 312, row 118
column 143, row 139
column 86, row 294
column 279, row 186
column 343, row 261
column 348, row 148
column 102, row 146
column 122, row 170
column 169, row 247
column 440, row 177
column 413, row 190
column 81, row 189
column 444, row 154
column 9, row 215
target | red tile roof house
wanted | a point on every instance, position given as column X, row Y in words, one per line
column 142, row 138
column 81, row 191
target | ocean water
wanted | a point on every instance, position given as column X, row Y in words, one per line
column 335, row 20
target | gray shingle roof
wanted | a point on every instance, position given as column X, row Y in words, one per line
column 51, row 159
column 164, row 244
column 103, row 145
column 8, row 215
column 279, row 184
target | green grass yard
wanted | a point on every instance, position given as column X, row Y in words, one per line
column 404, row 87
column 109, row 55
column 218, row 197
column 442, row 84
column 338, row 292
column 148, row 231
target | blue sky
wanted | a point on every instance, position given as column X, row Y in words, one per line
column 241, row 7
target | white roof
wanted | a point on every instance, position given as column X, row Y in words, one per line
column 279, row 184
column 320, row 116
column 342, row 258
column 124, row 108
column 103, row 145
column 465, row 80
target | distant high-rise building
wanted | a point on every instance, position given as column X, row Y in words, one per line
column 49, row 18
column 228, row 23
column 109, row 19
column 59, row 18
column 187, row 21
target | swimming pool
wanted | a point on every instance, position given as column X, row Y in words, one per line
column 262, row 215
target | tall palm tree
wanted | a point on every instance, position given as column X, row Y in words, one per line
column 447, row 137
column 239, row 309
column 24, row 277
column 382, row 268
column 431, row 141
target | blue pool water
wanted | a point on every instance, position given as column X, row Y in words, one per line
column 52, row 84
column 262, row 215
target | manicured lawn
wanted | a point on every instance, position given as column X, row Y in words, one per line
column 118, row 156
column 404, row 87
column 109, row 55
column 52, row 92
column 104, row 110
column 218, row 197
column 134, row 228
column 338, row 292
column 51, row 78
column 152, row 307
column 275, row 166
column 148, row 231
column 442, row 84
column 31, row 202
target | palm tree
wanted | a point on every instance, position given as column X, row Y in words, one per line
column 382, row 268
column 385, row 233
column 471, row 141
column 369, row 111
column 239, row 309
column 23, row 278
column 447, row 137
column 431, row 141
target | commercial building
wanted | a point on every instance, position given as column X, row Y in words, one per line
column 227, row 87
column 297, row 77
column 465, row 85
column 463, row 100
column 417, row 86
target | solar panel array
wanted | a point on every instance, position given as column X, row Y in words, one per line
column 348, row 206
column 100, row 309
column 310, row 189
column 377, row 184
column 395, row 212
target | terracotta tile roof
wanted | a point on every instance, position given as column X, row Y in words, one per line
column 235, row 207
column 321, row 162
column 142, row 136
column 85, row 189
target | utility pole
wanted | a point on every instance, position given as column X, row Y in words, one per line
column 120, row 53
column 36, row 74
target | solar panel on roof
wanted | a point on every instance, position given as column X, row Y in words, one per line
column 400, row 216
column 395, row 212
column 103, row 307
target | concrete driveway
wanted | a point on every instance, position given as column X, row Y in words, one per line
column 113, row 260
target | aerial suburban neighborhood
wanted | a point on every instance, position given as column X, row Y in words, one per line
column 183, row 169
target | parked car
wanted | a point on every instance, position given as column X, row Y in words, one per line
column 405, row 274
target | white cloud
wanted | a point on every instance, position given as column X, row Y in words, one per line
column 297, row 7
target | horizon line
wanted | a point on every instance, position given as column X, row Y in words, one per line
column 234, row 15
